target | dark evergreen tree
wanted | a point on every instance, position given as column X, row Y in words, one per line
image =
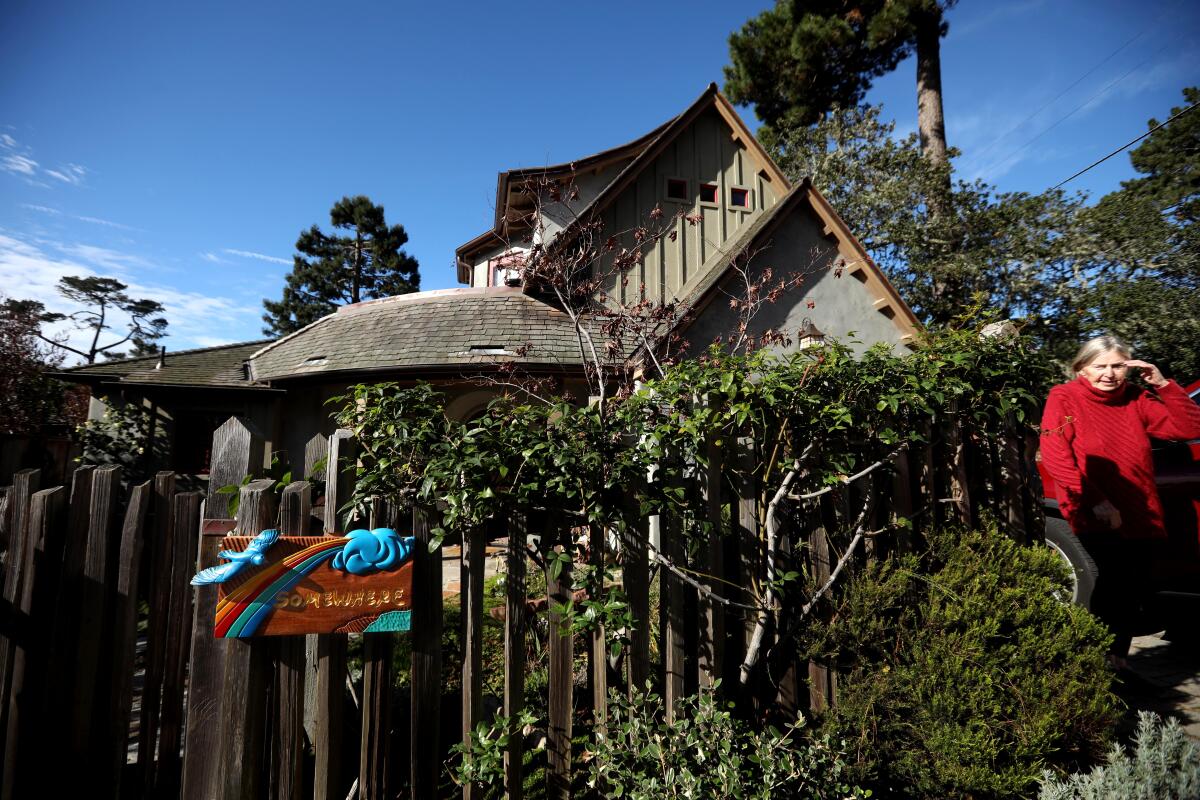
column 332, row 269
column 1146, row 273
column 101, row 298
column 798, row 60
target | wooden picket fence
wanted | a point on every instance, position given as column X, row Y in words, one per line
column 275, row 717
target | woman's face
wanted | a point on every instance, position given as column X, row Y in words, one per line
column 1106, row 371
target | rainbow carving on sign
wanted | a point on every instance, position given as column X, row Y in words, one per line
column 360, row 581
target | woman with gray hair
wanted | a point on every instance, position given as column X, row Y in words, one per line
column 1095, row 442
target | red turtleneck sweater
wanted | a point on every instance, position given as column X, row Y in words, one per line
column 1096, row 445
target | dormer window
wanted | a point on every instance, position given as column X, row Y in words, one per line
column 740, row 198
column 506, row 270
column 677, row 190
column 709, row 194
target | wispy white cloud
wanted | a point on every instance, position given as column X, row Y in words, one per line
column 105, row 258
column 259, row 256
column 70, row 173
column 31, row 270
column 108, row 223
column 54, row 212
column 19, row 160
column 987, row 21
column 19, row 164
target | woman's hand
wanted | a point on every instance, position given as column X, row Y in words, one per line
column 1148, row 371
column 1107, row 514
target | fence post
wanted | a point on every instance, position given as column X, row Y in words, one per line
column 746, row 541
column 25, row 483
column 514, row 649
column 375, row 736
column 247, row 667
column 561, row 666
column 237, row 451
column 635, row 574
column 63, row 655
column 820, row 684
column 91, row 691
column 426, row 756
column 957, row 482
column 316, row 451
column 161, row 544
column 124, row 640
column 598, row 650
column 671, row 602
column 27, row 641
column 185, row 526
column 711, row 649
column 471, row 583
column 287, row 745
column 1011, row 490
column 331, row 650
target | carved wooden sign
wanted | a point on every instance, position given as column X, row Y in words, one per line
column 278, row 585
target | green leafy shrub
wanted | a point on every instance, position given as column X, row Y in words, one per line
column 960, row 675
column 126, row 436
column 706, row 752
column 1164, row 765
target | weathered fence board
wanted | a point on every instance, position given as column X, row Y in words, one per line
column 161, row 544
column 123, row 642
column 514, row 649
column 91, row 690
column 711, row 646
column 329, row 769
column 27, row 641
column 471, row 583
column 560, row 649
column 287, row 743
column 185, row 526
column 237, row 452
column 424, row 718
column 25, row 483
column 247, row 674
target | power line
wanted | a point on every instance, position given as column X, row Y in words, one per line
column 1102, row 62
column 1020, row 150
column 1125, row 146
column 1056, row 98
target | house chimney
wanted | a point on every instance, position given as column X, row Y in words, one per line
column 162, row 357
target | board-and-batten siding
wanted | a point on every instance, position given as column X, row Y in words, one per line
column 703, row 152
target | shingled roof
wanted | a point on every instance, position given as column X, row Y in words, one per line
column 218, row 367
column 436, row 330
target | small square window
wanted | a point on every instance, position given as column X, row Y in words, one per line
column 708, row 193
column 677, row 189
column 739, row 197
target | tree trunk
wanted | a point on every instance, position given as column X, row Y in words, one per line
column 930, row 120
column 931, row 125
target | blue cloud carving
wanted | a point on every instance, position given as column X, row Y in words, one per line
column 378, row 550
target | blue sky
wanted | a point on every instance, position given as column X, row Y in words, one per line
column 182, row 147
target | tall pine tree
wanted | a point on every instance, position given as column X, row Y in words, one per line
column 362, row 261
column 800, row 59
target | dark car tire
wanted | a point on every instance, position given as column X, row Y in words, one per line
column 1061, row 540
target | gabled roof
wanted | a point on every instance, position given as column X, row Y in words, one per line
column 858, row 263
column 509, row 179
column 458, row 330
column 642, row 152
column 209, row 367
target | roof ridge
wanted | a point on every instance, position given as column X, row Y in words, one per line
column 156, row 356
column 711, row 96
